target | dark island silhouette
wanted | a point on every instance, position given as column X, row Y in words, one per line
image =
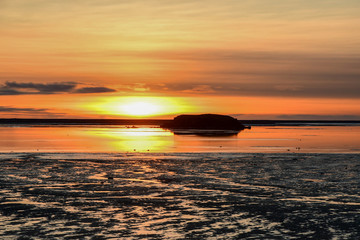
column 204, row 124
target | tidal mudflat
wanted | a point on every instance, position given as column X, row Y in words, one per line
column 179, row 196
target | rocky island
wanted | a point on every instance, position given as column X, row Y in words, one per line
column 204, row 124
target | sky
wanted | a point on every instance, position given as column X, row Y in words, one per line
column 252, row 59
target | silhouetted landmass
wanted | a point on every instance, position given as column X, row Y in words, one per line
column 204, row 121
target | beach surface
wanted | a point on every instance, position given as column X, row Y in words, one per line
column 179, row 196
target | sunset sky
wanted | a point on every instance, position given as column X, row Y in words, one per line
column 253, row 59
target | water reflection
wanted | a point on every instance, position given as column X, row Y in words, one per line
column 206, row 133
column 153, row 139
column 134, row 139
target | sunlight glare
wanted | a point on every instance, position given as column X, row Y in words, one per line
column 140, row 108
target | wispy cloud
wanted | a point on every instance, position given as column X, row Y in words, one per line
column 23, row 110
column 257, row 73
column 28, row 88
column 94, row 90
column 199, row 89
column 41, row 88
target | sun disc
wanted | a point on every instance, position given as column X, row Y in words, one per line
column 140, row 108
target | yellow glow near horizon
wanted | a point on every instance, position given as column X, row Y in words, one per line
column 141, row 106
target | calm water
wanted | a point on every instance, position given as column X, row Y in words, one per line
column 260, row 139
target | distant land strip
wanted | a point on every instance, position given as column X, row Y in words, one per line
column 30, row 121
column 137, row 122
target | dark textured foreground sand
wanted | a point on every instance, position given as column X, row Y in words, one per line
column 179, row 196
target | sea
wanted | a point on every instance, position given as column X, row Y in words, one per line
column 143, row 182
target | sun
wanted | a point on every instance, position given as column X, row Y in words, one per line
column 140, row 108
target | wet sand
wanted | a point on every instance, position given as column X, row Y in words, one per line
column 179, row 196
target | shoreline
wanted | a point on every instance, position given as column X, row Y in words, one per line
column 182, row 155
column 158, row 122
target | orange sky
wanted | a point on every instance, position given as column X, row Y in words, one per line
column 252, row 59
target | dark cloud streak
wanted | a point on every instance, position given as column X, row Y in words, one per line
column 94, row 90
column 23, row 110
column 30, row 88
column 48, row 88
column 33, row 112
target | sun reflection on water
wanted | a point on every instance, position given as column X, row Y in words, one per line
column 135, row 139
